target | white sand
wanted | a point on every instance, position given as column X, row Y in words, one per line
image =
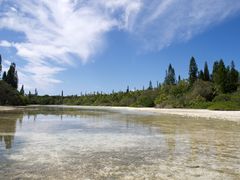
column 7, row 108
column 201, row 113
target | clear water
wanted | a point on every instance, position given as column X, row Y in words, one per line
column 57, row 143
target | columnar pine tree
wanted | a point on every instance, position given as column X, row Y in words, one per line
column 22, row 91
column 220, row 76
column 170, row 78
column 4, row 77
column 62, row 97
column 206, row 72
column 150, row 87
column 215, row 67
column 15, row 80
column 179, row 78
column 193, row 70
column 12, row 76
column 233, row 77
column 201, row 75
column 36, row 92
column 127, row 91
column 0, row 66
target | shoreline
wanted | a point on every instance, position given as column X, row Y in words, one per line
column 7, row 108
column 195, row 113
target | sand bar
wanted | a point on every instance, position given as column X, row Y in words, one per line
column 7, row 108
column 201, row 113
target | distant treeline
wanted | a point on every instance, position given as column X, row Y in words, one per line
column 215, row 89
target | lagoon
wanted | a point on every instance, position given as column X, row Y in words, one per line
column 91, row 143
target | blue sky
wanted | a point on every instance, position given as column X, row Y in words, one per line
column 86, row 46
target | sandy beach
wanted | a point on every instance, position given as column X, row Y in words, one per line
column 7, row 108
column 198, row 113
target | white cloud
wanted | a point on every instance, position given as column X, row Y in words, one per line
column 5, row 44
column 56, row 30
column 164, row 22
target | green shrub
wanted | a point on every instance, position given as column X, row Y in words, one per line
column 227, row 106
column 201, row 105
column 10, row 96
column 204, row 89
column 222, row 98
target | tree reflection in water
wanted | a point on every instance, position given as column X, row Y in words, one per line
column 8, row 124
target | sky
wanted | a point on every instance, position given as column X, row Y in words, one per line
column 104, row 45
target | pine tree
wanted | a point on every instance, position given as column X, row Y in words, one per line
column 36, row 92
column 170, row 78
column 233, row 77
column 62, row 97
column 179, row 78
column 201, row 75
column 15, row 80
column 127, row 91
column 12, row 76
column 206, row 72
column 22, row 91
column 220, row 76
column 0, row 66
column 4, row 77
column 193, row 70
column 150, row 87
column 215, row 69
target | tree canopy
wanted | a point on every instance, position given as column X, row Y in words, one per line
column 193, row 70
column 12, row 76
column 170, row 78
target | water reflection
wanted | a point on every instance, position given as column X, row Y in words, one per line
column 77, row 144
column 8, row 126
column 10, row 120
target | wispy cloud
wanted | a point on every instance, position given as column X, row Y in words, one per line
column 164, row 22
column 5, row 44
column 55, row 31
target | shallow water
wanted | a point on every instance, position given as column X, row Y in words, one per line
column 56, row 143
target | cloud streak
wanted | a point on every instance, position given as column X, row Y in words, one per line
column 165, row 22
column 55, row 32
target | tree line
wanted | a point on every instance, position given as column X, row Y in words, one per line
column 9, row 94
column 203, row 88
column 224, row 78
column 215, row 89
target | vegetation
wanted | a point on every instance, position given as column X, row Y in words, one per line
column 218, row 90
column 9, row 94
column 193, row 70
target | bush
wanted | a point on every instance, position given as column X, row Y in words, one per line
column 201, row 105
column 10, row 96
column 204, row 89
column 222, row 98
column 227, row 106
column 146, row 99
column 127, row 101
